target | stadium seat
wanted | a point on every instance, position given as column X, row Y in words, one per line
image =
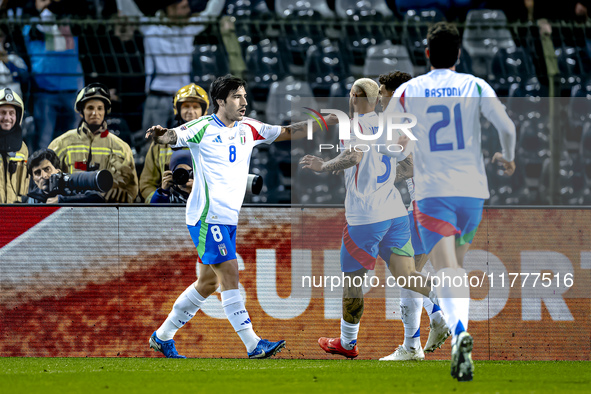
column 295, row 38
column 303, row 9
column 247, row 9
column 339, row 93
column 568, row 195
column 209, row 62
column 324, row 66
column 464, row 64
column 403, row 6
column 385, row 58
column 509, row 66
column 264, row 66
column 359, row 10
column 358, row 35
column 416, row 25
column 579, row 113
column 485, row 34
column 283, row 95
column 528, row 100
column 585, row 153
column 575, row 66
column 533, row 148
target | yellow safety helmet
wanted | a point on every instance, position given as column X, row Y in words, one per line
column 94, row 91
column 190, row 92
column 9, row 97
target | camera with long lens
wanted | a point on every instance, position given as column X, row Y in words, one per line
column 79, row 182
column 181, row 176
column 254, row 184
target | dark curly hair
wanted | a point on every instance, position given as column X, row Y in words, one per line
column 43, row 154
column 394, row 79
column 222, row 87
column 444, row 42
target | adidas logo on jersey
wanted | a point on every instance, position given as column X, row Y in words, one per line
column 218, row 139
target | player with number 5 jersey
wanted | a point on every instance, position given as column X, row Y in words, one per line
column 221, row 147
column 377, row 223
column 450, row 180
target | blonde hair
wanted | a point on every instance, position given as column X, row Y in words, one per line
column 369, row 87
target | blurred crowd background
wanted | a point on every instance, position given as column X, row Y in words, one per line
column 535, row 54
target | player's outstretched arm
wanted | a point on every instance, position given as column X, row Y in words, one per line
column 404, row 169
column 162, row 135
column 346, row 159
column 299, row 130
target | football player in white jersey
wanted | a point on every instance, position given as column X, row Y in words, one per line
column 377, row 222
column 221, row 146
column 450, row 180
column 411, row 303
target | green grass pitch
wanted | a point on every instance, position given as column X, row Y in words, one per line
column 159, row 375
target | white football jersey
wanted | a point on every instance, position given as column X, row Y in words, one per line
column 448, row 159
column 221, row 159
column 371, row 194
column 410, row 185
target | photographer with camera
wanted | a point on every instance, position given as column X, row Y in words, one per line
column 176, row 184
column 92, row 147
column 54, row 187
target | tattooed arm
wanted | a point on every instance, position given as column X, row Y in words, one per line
column 347, row 158
column 162, row 135
column 404, row 169
column 299, row 130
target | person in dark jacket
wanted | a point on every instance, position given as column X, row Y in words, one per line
column 173, row 191
column 41, row 166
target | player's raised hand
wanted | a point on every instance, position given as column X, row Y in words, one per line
column 314, row 163
column 156, row 131
column 331, row 119
column 403, row 141
column 508, row 165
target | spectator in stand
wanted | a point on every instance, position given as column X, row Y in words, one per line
column 13, row 151
column 92, row 147
column 56, row 70
column 13, row 69
column 169, row 53
column 190, row 103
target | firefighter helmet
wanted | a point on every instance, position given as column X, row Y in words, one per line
column 190, row 92
column 9, row 97
column 94, row 91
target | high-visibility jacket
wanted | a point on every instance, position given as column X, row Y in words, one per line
column 157, row 158
column 81, row 150
column 14, row 178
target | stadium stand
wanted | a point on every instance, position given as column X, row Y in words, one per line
column 299, row 48
column 484, row 35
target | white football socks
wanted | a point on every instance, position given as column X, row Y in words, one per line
column 183, row 310
column 454, row 300
column 349, row 333
column 411, row 304
column 433, row 311
column 237, row 314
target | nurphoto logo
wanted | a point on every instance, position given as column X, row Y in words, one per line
column 394, row 125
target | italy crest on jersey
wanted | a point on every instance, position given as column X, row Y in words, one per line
column 242, row 135
column 223, row 250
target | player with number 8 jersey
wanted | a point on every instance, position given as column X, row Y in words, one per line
column 221, row 146
column 221, row 157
